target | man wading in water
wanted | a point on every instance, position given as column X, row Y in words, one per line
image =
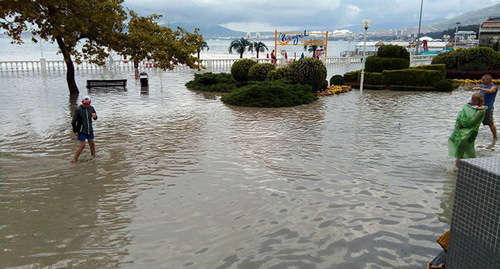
column 489, row 91
column 82, row 126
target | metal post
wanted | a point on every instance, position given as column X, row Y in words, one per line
column 363, row 65
column 419, row 25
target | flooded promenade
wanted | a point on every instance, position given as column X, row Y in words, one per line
column 357, row 180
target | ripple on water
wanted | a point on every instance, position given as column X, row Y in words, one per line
column 352, row 180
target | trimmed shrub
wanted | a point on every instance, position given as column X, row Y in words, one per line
column 309, row 71
column 444, row 85
column 393, row 51
column 439, row 67
column 376, row 78
column 379, row 64
column 480, row 59
column 337, row 80
column 284, row 72
column 260, row 71
column 240, row 68
column 210, row 82
column 412, row 77
column 351, row 76
column 270, row 94
column 456, row 74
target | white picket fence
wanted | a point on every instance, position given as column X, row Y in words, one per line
column 348, row 63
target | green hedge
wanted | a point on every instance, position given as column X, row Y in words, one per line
column 210, row 82
column 472, row 59
column 337, row 80
column 240, row 68
column 284, row 72
column 270, row 94
column 259, row 72
column 376, row 78
column 393, row 51
column 309, row 71
column 412, row 76
column 352, row 76
column 444, row 86
column 379, row 64
column 439, row 67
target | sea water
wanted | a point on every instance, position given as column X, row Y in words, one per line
column 217, row 49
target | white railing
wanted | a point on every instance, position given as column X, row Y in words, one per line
column 210, row 64
column 416, row 60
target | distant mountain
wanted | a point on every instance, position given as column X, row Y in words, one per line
column 210, row 31
column 469, row 18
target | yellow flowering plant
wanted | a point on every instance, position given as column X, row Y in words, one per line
column 334, row 89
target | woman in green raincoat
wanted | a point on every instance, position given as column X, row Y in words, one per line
column 461, row 143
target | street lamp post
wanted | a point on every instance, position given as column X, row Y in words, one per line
column 366, row 24
column 419, row 25
column 456, row 31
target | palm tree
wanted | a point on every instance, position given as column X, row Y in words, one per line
column 258, row 47
column 239, row 45
column 313, row 46
column 203, row 46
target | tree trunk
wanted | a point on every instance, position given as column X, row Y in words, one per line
column 241, row 55
column 70, row 73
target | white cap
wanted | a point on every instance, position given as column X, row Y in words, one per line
column 86, row 100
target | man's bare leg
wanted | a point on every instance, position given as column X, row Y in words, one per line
column 92, row 147
column 81, row 146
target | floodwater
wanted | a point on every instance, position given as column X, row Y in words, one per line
column 357, row 180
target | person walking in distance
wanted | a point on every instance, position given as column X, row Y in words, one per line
column 82, row 126
column 489, row 91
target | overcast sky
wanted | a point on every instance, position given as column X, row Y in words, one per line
column 285, row 15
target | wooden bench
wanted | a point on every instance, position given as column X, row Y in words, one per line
column 107, row 83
